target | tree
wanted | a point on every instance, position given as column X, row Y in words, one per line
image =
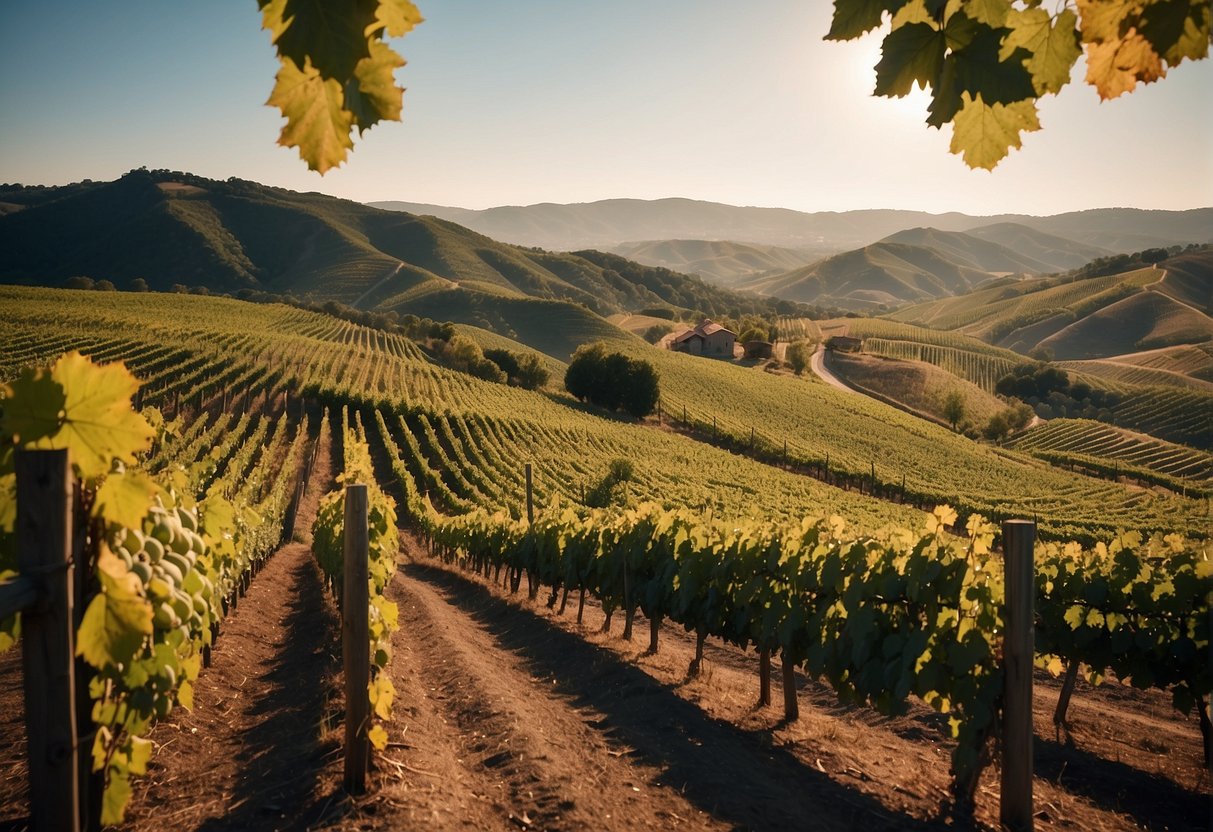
column 139, row 285
column 987, row 62
column 613, row 380
column 954, row 407
column 79, row 282
column 799, row 355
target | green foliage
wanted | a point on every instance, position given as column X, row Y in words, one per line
column 1137, row 607
column 613, row 380
column 879, row 619
column 336, row 73
column 328, row 541
column 987, row 62
column 954, row 407
column 160, row 563
column 799, row 355
column 524, row 370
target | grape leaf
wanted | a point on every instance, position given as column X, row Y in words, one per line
column 123, row 498
column 1177, row 29
column 914, row 52
column 853, row 18
column 118, row 617
column 373, row 96
column 378, row 737
column 1114, row 67
column 80, row 406
column 316, row 119
column 396, row 18
column 333, row 41
column 984, row 133
column 114, row 800
column 1052, row 42
column 990, row 12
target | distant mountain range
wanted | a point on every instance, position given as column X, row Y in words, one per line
column 175, row 228
column 613, row 223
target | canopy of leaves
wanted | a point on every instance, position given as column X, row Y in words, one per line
column 987, row 62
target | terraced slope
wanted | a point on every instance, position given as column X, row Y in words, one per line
column 1083, row 441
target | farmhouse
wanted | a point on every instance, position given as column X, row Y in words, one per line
column 708, row 338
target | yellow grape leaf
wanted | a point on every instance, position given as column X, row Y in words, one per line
column 1055, row 666
column 1053, row 43
column 114, row 800
column 984, row 133
column 80, row 406
column 990, row 12
column 395, row 17
column 117, row 619
column 141, row 755
column 382, row 692
column 185, row 695
column 376, row 97
column 317, row 122
column 33, row 407
column 378, row 737
column 1114, row 67
column 124, row 498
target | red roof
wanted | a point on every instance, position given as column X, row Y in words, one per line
column 708, row 327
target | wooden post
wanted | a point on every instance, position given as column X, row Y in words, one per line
column 44, row 544
column 530, row 502
column 1015, row 811
column 355, row 639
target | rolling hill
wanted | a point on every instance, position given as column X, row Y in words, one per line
column 1085, row 317
column 172, row 228
column 881, row 276
column 968, row 250
column 1057, row 252
column 614, row 222
column 718, row 261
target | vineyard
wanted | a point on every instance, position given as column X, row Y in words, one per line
column 1082, row 441
column 212, row 451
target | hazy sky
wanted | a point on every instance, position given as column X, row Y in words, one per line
column 573, row 101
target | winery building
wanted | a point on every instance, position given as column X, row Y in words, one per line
column 709, row 338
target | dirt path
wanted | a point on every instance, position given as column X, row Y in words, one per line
column 513, row 717
column 517, row 722
column 252, row 754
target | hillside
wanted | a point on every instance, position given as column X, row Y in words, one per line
column 172, row 228
column 1058, row 252
column 613, row 222
column 881, row 276
column 718, row 261
column 1080, row 317
column 968, row 250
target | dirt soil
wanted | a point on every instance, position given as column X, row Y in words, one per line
column 510, row 716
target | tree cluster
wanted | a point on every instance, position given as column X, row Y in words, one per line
column 613, row 380
column 1049, row 391
column 521, row 369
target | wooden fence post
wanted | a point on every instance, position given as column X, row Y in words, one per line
column 44, row 546
column 1015, row 810
column 355, row 639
